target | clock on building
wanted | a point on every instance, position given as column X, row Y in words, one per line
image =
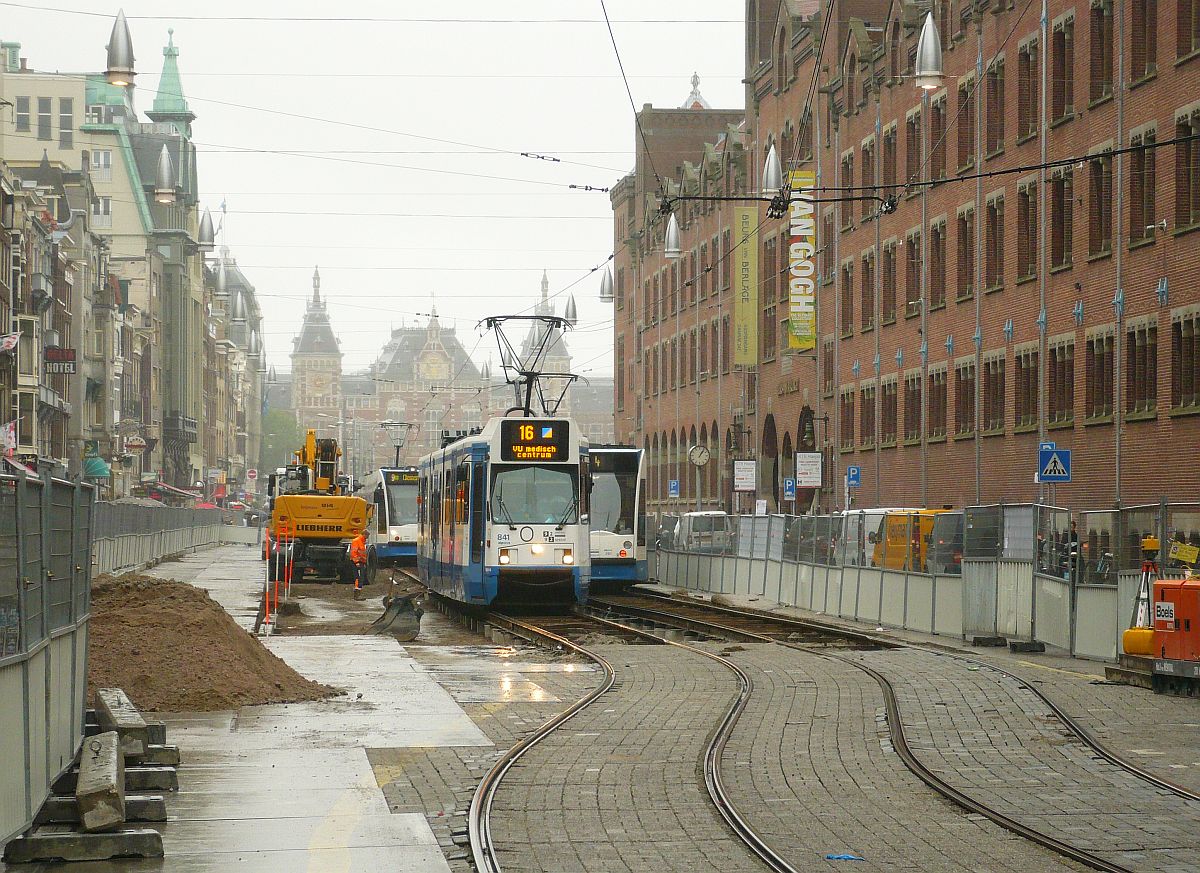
column 434, row 368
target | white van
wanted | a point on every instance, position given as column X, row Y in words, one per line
column 703, row 532
column 860, row 530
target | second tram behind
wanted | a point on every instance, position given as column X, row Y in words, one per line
column 503, row 515
column 393, row 540
column 618, row 516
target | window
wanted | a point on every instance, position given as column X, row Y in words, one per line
column 694, row 278
column 1141, row 187
column 1028, row 81
column 937, row 140
column 847, row 298
column 994, row 129
column 846, row 419
column 534, row 494
column 887, row 414
column 1100, row 206
column 847, row 181
column 620, row 283
column 66, row 122
column 675, row 368
column 889, row 155
column 647, row 305
column 102, row 212
column 619, row 372
column 994, row 245
column 1187, row 171
column 1027, row 225
column 1098, row 393
column 867, row 292
column 889, row 283
column 43, row 120
column 912, row 274
column 964, row 398
column 1101, row 71
column 22, row 114
column 912, row 147
column 937, row 265
column 770, row 269
column 937, row 404
column 703, row 351
column 1141, row 369
column 1060, row 383
column 966, row 254
column 868, row 180
column 826, row 239
column 1185, row 362
column 1187, row 30
column 725, row 344
column 894, row 52
column 714, row 351
column 770, row 339
column 993, row 394
column 1062, row 70
column 912, row 407
column 1027, row 388
column 1143, row 43
column 827, row 368
column 652, row 377
column 866, row 416
column 1062, row 201
column 966, row 124
column 694, row 356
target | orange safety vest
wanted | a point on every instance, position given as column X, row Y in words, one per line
column 358, row 549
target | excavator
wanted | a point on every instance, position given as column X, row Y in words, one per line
column 312, row 517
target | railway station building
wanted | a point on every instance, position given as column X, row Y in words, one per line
column 1001, row 261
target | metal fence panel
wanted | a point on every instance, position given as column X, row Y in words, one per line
column 60, row 509
column 29, row 528
column 10, row 598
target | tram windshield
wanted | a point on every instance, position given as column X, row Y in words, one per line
column 614, row 492
column 535, row 494
column 402, row 503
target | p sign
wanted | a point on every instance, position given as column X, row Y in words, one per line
column 789, row 489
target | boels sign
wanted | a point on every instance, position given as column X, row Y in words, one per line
column 59, row 361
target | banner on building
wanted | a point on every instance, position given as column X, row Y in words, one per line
column 8, row 438
column 9, row 341
column 802, row 263
column 745, row 287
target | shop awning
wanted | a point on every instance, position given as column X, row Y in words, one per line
column 179, row 492
column 17, row 465
column 96, row 468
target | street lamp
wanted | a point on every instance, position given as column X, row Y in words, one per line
column 606, row 286
column 671, row 247
column 398, row 431
column 772, row 173
column 120, row 70
column 927, row 68
column 164, row 181
column 206, row 239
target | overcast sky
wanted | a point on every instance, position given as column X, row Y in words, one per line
column 386, row 214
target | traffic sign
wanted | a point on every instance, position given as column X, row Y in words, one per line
column 252, row 474
column 673, row 488
column 854, row 477
column 789, row 489
column 1054, row 465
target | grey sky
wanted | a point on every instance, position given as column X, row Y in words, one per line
column 549, row 87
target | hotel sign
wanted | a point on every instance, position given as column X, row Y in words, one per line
column 59, row 360
column 802, row 268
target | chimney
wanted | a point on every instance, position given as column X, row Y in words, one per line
column 24, row 66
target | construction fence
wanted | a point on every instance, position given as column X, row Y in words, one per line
column 1024, row 572
column 53, row 537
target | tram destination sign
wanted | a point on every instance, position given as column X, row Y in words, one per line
column 402, row 477
column 532, row 440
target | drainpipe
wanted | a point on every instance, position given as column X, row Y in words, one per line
column 1118, row 245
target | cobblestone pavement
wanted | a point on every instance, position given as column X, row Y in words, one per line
column 993, row 739
column 619, row 788
column 438, row 782
column 811, row 767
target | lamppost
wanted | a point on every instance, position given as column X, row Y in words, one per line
column 398, row 431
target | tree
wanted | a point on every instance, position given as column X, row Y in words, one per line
column 281, row 437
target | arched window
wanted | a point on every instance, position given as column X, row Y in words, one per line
column 850, row 92
column 894, row 52
column 782, row 73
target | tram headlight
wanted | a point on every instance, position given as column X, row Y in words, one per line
column 627, row 545
column 537, row 548
column 505, row 556
column 566, row 556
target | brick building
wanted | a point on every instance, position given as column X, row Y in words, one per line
column 1000, row 305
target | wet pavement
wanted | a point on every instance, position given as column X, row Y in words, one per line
column 318, row 786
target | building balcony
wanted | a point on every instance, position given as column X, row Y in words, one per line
column 179, row 427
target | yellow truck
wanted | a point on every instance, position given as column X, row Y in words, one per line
column 902, row 541
column 312, row 518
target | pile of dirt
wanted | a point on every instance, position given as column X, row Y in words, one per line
column 173, row 648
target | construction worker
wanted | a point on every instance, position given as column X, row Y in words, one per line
column 358, row 557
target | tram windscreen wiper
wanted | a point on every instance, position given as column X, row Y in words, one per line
column 504, row 509
column 563, row 518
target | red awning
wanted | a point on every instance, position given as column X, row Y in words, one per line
column 163, row 486
column 19, row 466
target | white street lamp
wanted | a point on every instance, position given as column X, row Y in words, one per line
column 606, row 286
column 927, row 68
column 120, row 70
column 164, row 181
column 671, row 247
column 772, row 173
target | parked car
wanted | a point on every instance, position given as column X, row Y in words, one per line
column 704, row 532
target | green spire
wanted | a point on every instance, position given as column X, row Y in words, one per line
column 170, row 102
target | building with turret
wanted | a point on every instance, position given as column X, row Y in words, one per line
column 316, row 365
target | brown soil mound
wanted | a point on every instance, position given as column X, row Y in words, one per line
column 173, row 648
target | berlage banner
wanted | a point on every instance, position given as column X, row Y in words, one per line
column 802, row 271
column 745, row 286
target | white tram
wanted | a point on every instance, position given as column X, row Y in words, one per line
column 393, row 539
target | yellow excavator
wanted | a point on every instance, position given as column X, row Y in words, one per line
column 312, row 517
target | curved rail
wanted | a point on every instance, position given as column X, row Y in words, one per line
column 900, row 743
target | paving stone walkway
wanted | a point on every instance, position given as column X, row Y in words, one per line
column 992, row 738
column 619, row 788
column 811, row 767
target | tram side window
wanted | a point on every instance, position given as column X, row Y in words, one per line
column 462, row 479
column 380, row 510
column 421, row 505
column 435, row 512
column 585, row 490
column 477, row 501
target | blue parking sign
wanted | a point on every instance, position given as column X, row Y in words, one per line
column 854, row 477
column 672, row 487
column 789, row 489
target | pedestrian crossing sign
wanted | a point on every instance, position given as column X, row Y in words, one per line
column 1054, row 465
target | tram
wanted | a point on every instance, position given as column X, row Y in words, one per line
column 618, row 516
column 502, row 514
column 393, row 539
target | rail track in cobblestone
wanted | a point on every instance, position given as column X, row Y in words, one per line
column 556, row 631
column 814, row 637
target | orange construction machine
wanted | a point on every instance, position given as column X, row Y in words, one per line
column 1177, row 627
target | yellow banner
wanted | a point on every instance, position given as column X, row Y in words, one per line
column 802, row 267
column 1183, row 553
column 745, row 286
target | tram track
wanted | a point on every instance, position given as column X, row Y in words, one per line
column 753, row 626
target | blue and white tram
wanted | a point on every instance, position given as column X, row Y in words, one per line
column 393, row 540
column 618, row 516
column 503, row 514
